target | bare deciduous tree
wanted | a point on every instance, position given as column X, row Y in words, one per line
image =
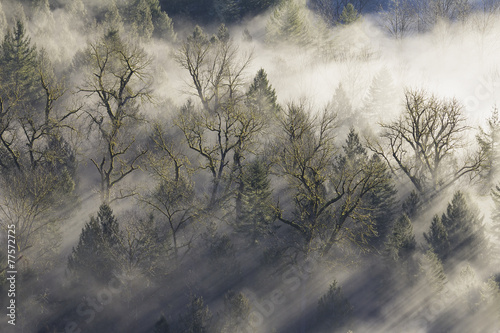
column 423, row 143
column 118, row 76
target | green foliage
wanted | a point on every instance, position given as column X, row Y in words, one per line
column 401, row 244
column 460, row 232
column 411, row 205
column 437, row 238
column 489, row 141
column 334, row 311
column 261, row 96
column 349, row 15
column 288, row 24
column 256, row 212
column 95, row 253
column 197, row 318
column 495, row 225
column 236, row 312
column 433, row 272
column 18, row 68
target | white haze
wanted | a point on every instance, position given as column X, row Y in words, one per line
column 453, row 60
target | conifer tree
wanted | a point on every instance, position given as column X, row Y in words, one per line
column 18, row 66
column 460, row 232
column 198, row 317
column 401, row 244
column 334, row 311
column 349, row 15
column 161, row 326
column 141, row 18
column 288, row 24
column 256, row 212
column 96, row 251
column 433, row 272
column 411, row 205
column 163, row 25
column 495, row 225
column 465, row 229
column 261, row 96
column 489, row 141
column 437, row 238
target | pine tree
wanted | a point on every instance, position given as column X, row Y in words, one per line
column 411, row 205
column 288, row 24
column 380, row 99
column 95, row 253
column 334, row 311
column 341, row 104
column 18, row 68
column 256, row 213
column 489, row 141
column 236, row 313
column 261, row 96
column 349, row 15
column 198, row 317
column 401, row 244
column 161, row 326
column 433, row 272
column 228, row 11
column 437, row 238
column 141, row 18
column 465, row 230
column 163, row 25
column 495, row 225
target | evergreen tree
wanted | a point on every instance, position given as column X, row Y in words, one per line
column 95, row 253
column 437, row 238
column 236, row 312
column 198, row 317
column 433, row 272
column 489, row 141
column 141, row 18
column 380, row 99
column 349, row 15
column 334, row 311
column 261, row 96
column 256, row 214
column 163, row 25
column 228, row 11
column 288, row 24
column 465, row 228
column 461, row 235
column 18, row 68
column 341, row 104
column 495, row 225
column 161, row 326
column 411, row 205
column 401, row 244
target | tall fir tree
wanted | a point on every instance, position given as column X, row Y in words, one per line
column 433, row 272
column 334, row 311
column 349, row 15
column 461, row 235
column 495, row 224
column 489, row 141
column 401, row 244
column 289, row 24
column 437, row 238
column 261, row 96
column 256, row 214
column 96, row 252
column 18, row 68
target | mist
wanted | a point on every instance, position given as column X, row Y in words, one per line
column 279, row 166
